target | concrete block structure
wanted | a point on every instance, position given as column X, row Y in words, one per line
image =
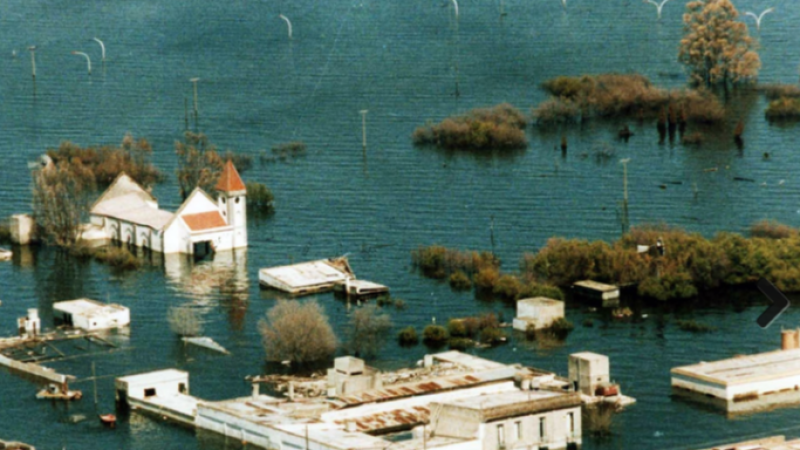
column 539, row 312
column 163, row 392
column 588, row 371
column 350, row 375
column 91, row 315
column 21, row 227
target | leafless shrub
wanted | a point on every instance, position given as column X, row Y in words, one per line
column 297, row 332
column 184, row 321
column 368, row 331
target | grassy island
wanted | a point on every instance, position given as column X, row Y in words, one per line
column 501, row 127
column 628, row 96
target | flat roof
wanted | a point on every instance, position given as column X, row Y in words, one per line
column 590, row 356
column 267, row 410
column 308, row 273
column 181, row 403
column 87, row 307
column 158, row 375
column 516, row 403
column 767, row 443
column 466, row 360
column 541, row 301
column 596, row 286
column 745, row 369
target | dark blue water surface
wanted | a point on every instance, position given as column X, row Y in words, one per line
column 397, row 59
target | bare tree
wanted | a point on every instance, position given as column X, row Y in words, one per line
column 200, row 164
column 297, row 332
column 61, row 196
column 184, row 322
column 716, row 47
column 368, row 331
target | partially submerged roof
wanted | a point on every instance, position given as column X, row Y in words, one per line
column 540, row 301
column 323, row 271
column 516, row 403
column 767, row 443
column 230, row 181
column 596, row 286
column 87, row 307
column 745, row 369
column 155, row 376
column 204, row 221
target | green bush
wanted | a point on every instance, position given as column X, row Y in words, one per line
column 507, row 287
column 434, row 334
column 438, row 262
column 500, row 127
column 457, row 328
column 771, row 230
column 617, row 95
column 783, row 108
column 82, row 250
column 259, row 198
column 460, row 343
column 694, row 326
column 492, row 336
column 588, row 323
column 561, row 327
column 400, row 304
column 408, row 336
column 486, row 278
column 460, row 281
column 117, row 257
column 534, row 289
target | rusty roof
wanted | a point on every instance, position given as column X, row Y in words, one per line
column 408, row 417
column 230, row 181
column 204, row 221
column 429, row 386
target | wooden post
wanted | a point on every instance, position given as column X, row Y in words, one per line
column 194, row 83
column 364, row 129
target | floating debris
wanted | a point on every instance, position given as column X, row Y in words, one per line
column 749, row 180
column 206, row 342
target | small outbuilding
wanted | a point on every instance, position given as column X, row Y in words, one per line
column 91, row 315
column 589, row 371
column 607, row 294
column 540, row 312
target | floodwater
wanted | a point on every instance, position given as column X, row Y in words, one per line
column 398, row 60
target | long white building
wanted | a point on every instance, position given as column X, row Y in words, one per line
column 129, row 214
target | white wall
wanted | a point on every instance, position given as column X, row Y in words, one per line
column 168, row 385
column 557, row 432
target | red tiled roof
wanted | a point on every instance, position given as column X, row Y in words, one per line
column 204, row 221
column 230, row 180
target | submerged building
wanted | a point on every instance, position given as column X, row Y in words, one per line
column 454, row 402
column 129, row 214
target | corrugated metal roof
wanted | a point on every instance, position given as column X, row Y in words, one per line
column 387, row 420
column 311, row 273
column 517, row 403
column 424, row 387
column 204, row 221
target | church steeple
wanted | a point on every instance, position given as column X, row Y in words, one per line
column 232, row 202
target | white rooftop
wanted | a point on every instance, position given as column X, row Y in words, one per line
column 745, row 369
column 133, row 208
column 87, row 307
column 502, row 399
column 307, row 274
column 543, row 301
column 596, row 286
column 158, row 375
column 589, row 356
column 469, row 361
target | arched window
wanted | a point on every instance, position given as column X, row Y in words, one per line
column 237, row 200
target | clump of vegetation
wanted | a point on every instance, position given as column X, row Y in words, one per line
column 691, row 263
column 492, row 336
column 459, row 343
column 200, row 164
column 387, row 300
column 500, row 127
column 460, row 281
column 259, row 198
column 588, row 323
column 694, row 326
column 776, row 91
column 457, row 328
column 716, row 47
column 695, row 138
column 368, row 331
column 184, row 321
column 486, row 278
column 617, row 95
column 400, row 304
column 408, row 337
column 559, row 329
column 772, row 230
column 439, row 262
column 103, row 164
column 297, row 332
column 117, row 257
column 434, row 335
column 285, row 151
column 507, row 287
column 783, row 108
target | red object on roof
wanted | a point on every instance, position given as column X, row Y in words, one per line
column 204, row 221
column 230, row 181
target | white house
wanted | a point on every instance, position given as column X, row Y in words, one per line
column 91, row 315
column 129, row 214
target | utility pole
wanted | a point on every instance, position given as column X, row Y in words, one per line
column 625, row 219
column 94, row 381
column 364, row 129
column 194, row 83
column 32, row 48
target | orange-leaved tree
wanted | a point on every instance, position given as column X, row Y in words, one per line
column 717, row 49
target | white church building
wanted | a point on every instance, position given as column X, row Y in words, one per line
column 128, row 214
